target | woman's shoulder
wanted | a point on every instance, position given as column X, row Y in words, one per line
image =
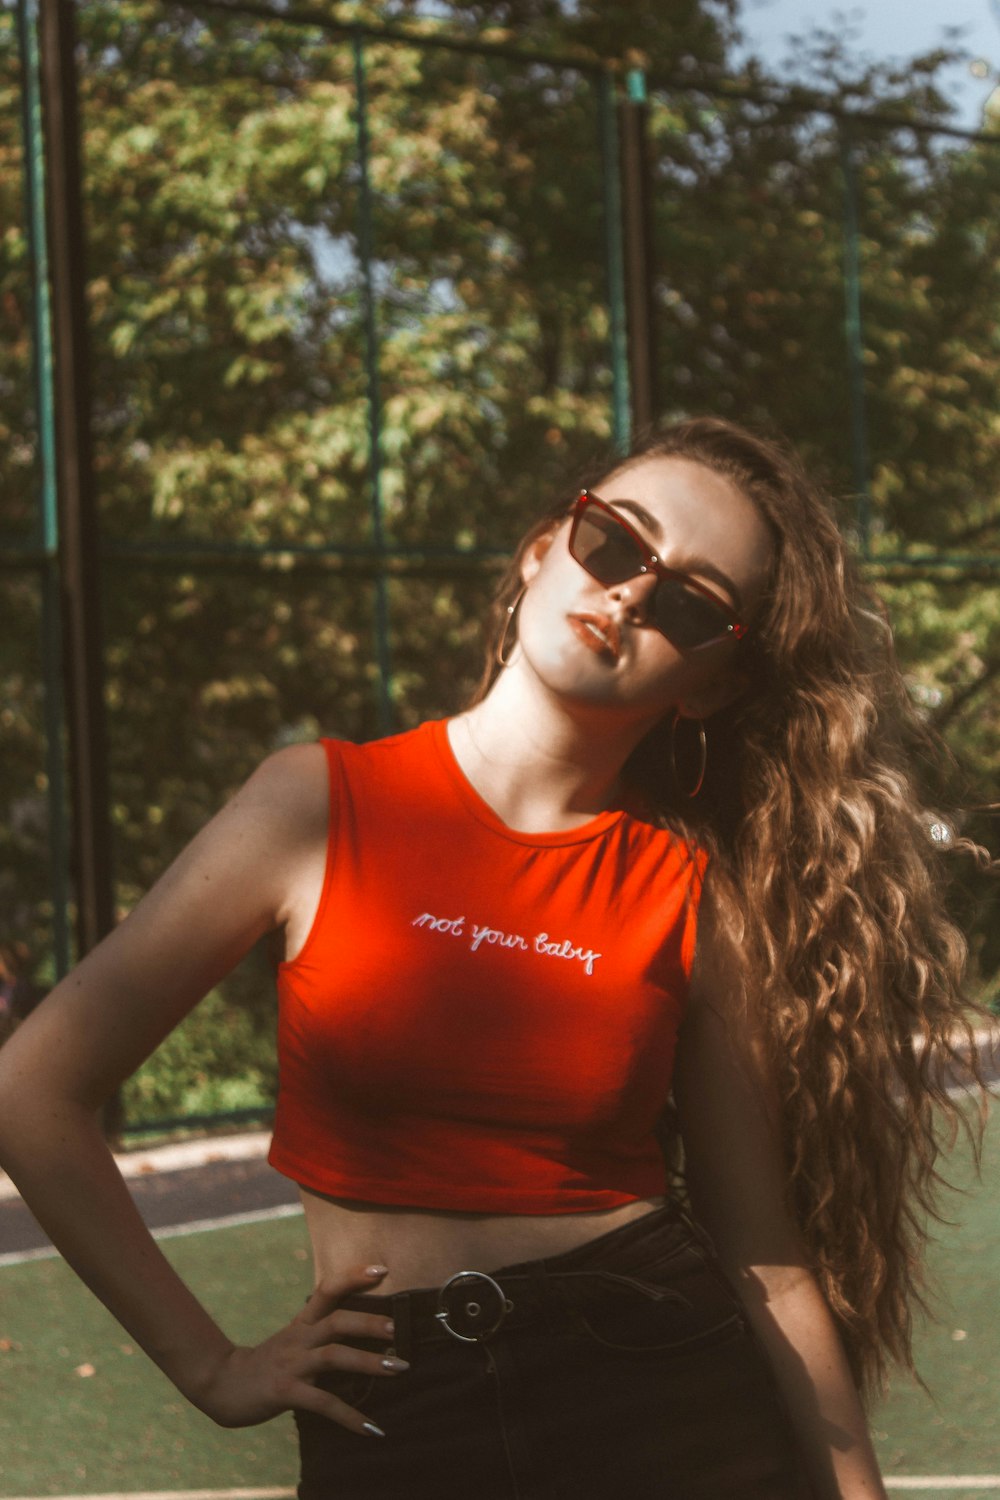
column 292, row 766
column 290, row 788
column 294, row 784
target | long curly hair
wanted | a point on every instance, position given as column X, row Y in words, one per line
column 828, row 871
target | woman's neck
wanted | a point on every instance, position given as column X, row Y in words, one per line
column 547, row 768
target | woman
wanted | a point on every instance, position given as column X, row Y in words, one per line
column 690, row 729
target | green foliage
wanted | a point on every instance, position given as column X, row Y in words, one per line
column 17, row 415
column 217, row 1059
column 231, row 377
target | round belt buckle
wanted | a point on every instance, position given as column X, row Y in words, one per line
column 471, row 1306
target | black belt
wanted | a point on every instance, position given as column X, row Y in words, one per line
column 471, row 1306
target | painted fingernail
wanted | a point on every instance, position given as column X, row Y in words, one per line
column 392, row 1363
column 374, row 1271
column 390, row 1329
column 372, row 1430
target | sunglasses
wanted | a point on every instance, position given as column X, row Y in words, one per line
column 690, row 615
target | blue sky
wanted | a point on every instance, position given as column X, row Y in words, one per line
column 886, row 29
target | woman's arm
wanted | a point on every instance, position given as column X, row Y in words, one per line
column 235, row 882
column 727, row 1111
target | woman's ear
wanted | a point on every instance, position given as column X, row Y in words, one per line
column 531, row 558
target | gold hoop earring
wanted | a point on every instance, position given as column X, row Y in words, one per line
column 703, row 757
column 512, row 611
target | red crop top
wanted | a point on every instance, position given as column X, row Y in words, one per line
column 480, row 1019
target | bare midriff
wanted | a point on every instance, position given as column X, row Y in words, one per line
column 423, row 1247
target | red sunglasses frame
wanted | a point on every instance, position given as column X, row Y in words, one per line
column 650, row 563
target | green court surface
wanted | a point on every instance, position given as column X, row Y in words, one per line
column 124, row 1427
column 955, row 1431
column 82, row 1412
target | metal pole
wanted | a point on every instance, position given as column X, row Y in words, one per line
column 615, row 252
column 366, row 247
column 633, row 124
column 80, row 575
column 855, row 342
column 54, row 709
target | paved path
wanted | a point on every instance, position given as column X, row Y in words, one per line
column 213, row 1179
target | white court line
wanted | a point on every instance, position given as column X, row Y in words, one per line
column 171, row 1232
column 943, row 1482
column 274, row 1494
column 897, row 1482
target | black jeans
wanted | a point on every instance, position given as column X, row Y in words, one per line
column 624, row 1369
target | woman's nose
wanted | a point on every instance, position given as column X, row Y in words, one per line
column 635, row 595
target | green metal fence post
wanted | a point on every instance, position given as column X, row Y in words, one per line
column 855, row 341
column 51, row 642
column 366, row 249
column 615, row 252
column 79, row 554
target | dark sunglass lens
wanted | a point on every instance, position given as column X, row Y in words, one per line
column 686, row 617
column 605, row 549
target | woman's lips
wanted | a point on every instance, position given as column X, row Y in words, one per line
column 598, row 633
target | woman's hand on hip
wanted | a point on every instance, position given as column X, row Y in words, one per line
column 252, row 1385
